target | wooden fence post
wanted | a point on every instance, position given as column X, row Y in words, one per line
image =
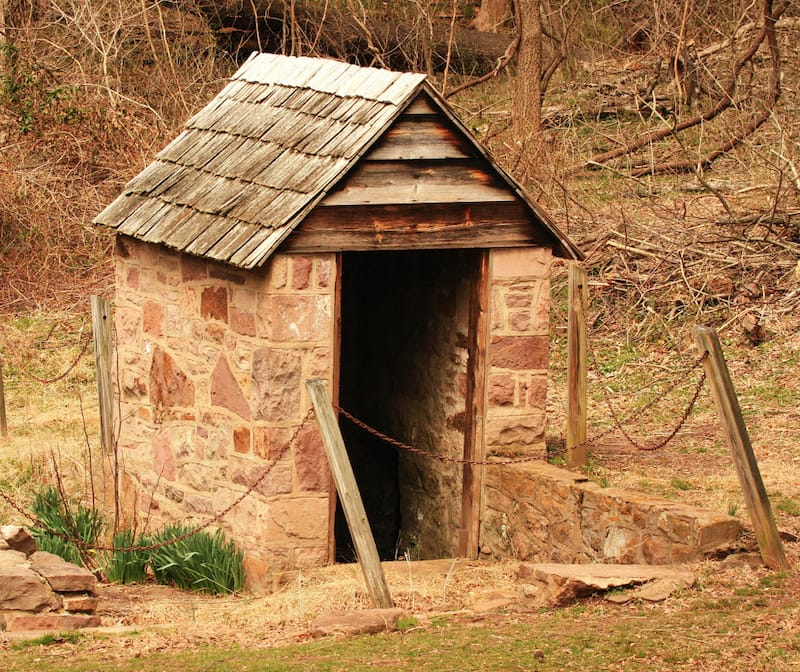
column 730, row 414
column 576, row 367
column 350, row 497
column 101, row 327
column 3, row 421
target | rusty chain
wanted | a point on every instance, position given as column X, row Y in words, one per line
column 418, row 451
column 70, row 368
column 618, row 425
column 167, row 542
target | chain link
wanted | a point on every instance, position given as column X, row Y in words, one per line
column 167, row 542
column 618, row 425
column 70, row 368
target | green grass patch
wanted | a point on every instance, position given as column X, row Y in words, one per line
column 710, row 635
column 681, row 484
column 788, row 506
column 50, row 639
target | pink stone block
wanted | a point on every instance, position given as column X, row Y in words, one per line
column 277, row 272
column 299, row 520
column 127, row 320
column 241, row 440
column 518, row 352
column 214, row 304
column 192, row 268
column 301, row 272
column 523, row 262
column 324, row 272
column 277, row 383
column 226, row 392
column 163, row 458
column 243, row 299
column 320, row 362
column 132, row 278
column 520, row 321
column 153, row 317
column 169, row 385
column 311, row 463
column 243, row 322
column 271, row 443
column 299, row 318
column 501, row 389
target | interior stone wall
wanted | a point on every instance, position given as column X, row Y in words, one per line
column 211, row 368
column 404, row 360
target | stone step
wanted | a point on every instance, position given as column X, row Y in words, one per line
column 554, row 584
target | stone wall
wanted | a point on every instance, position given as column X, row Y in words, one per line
column 542, row 513
column 517, row 358
column 211, row 367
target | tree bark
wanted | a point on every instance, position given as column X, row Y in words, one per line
column 527, row 107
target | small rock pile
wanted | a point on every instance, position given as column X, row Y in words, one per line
column 41, row 591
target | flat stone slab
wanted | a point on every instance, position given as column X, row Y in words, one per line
column 555, row 584
column 63, row 577
column 18, row 539
column 23, row 590
column 49, row 622
column 361, row 622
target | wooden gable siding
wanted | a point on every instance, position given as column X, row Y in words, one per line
column 423, row 185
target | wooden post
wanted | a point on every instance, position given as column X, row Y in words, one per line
column 755, row 495
column 3, row 422
column 350, row 497
column 101, row 326
column 576, row 367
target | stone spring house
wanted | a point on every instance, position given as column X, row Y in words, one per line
column 318, row 219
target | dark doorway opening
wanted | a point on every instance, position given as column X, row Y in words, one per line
column 403, row 363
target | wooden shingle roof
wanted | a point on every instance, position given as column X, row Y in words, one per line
column 252, row 164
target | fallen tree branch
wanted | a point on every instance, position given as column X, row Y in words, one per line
column 772, row 98
column 724, row 102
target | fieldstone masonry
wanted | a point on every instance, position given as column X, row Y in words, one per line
column 212, row 362
column 40, row 591
column 541, row 513
column 519, row 315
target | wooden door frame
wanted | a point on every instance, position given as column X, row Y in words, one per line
column 475, row 406
column 335, row 381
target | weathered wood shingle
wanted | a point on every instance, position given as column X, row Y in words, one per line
column 253, row 161
column 275, row 144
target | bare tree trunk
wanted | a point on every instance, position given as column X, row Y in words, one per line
column 527, row 109
column 491, row 15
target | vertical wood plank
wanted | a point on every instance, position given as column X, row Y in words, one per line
column 346, row 486
column 101, row 327
column 576, row 366
column 730, row 414
column 474, row 448
column 3, row 421
column 335, row 394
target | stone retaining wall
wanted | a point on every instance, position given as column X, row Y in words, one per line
column 41, row 591
column 541, row 513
